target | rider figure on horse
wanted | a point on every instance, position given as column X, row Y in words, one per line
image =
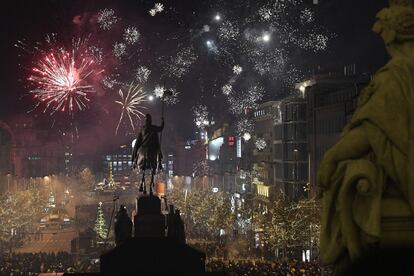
column 147, row 151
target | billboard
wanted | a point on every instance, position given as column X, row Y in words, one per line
column 214, row 148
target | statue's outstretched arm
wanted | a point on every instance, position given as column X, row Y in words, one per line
column 353, row 144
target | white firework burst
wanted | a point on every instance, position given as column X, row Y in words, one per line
column 179, row 65
column 96, row 53
column 200, row 113
column 228, row 31
column 237, row 69
column 227, row 89
column 131, row 104
column 241, row 103
column 142, row 74
column 106, row 18
column 268, row 62
column 265, row 13
column 119, row 49
column 260, row 144
column 307, row 16
column 244, row 125
column 159, row 91
column 109, row 81
column 158, row 7
column 171, row 98
column 131, row 35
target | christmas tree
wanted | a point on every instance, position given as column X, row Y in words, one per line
column 100, row 225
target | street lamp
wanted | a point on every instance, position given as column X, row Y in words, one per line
column 8, row 182
column 266, row 37
column 151, row 98
column 217, row 17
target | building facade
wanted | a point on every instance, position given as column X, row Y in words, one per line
column 263, row 165
column 331, row 101
column 290, row 148
column 117, row 167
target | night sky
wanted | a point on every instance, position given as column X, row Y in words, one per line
column 349, row 22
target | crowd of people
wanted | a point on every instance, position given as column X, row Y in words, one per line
column 258, row 267
column 35, row 263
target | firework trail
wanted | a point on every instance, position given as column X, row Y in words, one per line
column 131, row 103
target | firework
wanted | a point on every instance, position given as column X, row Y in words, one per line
column 200, row 113
column 119, row 49
column 107, row 18
column 269, row 63
column 244, row 126
column 172, row 97
column 131, row 35
column 96, row 53
column 237, row 69
column 60, row 78
column 260, row 144
column 227, row 89
column 109, row 81
column 228, row 31
column 240, row 103
column 142, row 74
column 179, row 65
column 265, row 13
column 158, row 8
column 159, row 91
column 307, row 16
column 131, row 103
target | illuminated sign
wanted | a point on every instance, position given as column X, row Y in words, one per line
column 231, row 141
column 214, row 148
column 239, row 148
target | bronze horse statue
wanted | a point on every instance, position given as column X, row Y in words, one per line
column 147, row 151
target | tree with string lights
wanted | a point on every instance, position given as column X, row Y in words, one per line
column 100, row 224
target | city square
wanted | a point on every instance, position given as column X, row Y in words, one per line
column 215, row 137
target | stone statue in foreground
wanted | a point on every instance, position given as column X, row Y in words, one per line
column 367, row 179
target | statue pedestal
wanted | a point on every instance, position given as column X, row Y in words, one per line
column 150, row 252
column 397, row 223
column 149, row 221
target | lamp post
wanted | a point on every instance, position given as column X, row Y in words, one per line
column 8, row 182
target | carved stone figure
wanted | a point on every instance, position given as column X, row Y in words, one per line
column 367, row 179
column 123, row 226
column 147, row 151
